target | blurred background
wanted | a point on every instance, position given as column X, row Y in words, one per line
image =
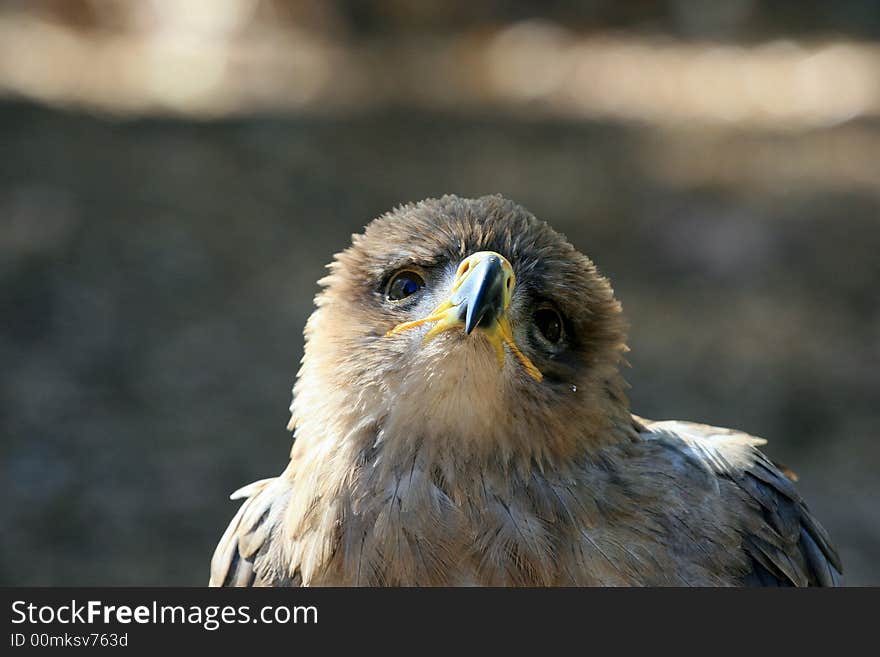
column 174, row 176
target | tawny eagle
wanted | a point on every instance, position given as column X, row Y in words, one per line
column 460, row 419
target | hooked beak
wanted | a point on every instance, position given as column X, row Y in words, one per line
column 481, row 294
column 479, row 298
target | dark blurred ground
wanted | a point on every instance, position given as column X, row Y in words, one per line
column 156, row 274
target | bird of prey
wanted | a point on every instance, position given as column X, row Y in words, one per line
column 460, row 419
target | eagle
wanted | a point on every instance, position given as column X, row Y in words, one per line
column 460, row 419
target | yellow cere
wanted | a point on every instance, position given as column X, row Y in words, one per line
column 447, row 315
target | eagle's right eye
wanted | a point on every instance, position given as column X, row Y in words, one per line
column 403, row 284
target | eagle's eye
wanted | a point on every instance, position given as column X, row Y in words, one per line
column 549, row 323
column 403, row 284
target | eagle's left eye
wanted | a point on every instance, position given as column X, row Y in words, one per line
column 549, row 323
column 403, row 284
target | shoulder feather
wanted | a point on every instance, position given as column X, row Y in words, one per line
column 245, row 554
column 785, row 543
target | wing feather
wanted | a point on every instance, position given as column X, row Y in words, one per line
column 785, row 543
column 244, row 554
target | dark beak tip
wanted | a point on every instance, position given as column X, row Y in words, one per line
column 483, row 294
column 471, row 320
